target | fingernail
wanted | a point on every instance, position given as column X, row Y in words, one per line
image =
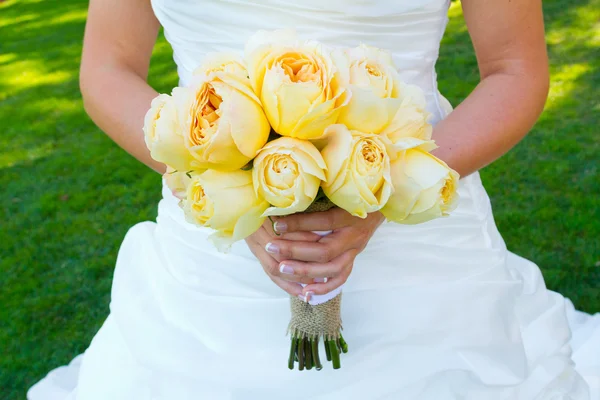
column 272, row 248
column 308, row 296
column 280, row 226
column 320, row 280
column 286, row 269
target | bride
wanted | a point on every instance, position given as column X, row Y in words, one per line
column 434, row 311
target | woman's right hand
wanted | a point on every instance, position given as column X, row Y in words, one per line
column 270, row 260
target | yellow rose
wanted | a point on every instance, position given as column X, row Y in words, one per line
column 411, row 119
column 225, row 202
column 177, row 182
column 164, row 136
column 424, row 188
column 298, row 83
column 287, row 173
column 224, row 125
column 222, row 62
column 358, row 170
column 376, row 89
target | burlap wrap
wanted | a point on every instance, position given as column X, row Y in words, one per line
column 322, row 204
column 323, row 320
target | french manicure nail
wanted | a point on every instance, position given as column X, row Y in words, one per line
column 280, row 226
column 320, row 280
column 272, row 248
column 308, row 296
column 286, row 269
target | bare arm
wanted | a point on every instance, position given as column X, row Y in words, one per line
column 119, row 37
column 508, row 37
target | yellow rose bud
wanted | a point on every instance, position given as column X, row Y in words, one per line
column 424, row 188
column 225, row 202
column 164, row 136
column 358, row 170
column 375, row 85
column 222, row 62
column 224, row 124
column 287, row 173
column 298, row 83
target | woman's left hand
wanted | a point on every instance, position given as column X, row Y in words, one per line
column 331, row 258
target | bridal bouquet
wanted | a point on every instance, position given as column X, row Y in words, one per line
column 296, row 126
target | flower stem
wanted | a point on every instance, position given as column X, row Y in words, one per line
column 273, row 226
column 293, row 349
column 335, row 354
column 327, row 351
column 343, row 344
column 308, row 353
column 300, row 354
column 315, row 354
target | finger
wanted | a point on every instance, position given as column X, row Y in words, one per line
column 271, row 267
column 272, row 245
column 318, row 221
column 293, row 289
column 344, row 239
column 297, row 279
column 304, row 251
column 330, row 285
column 299, row 236
column 286, row 272
column 315, row 270
column 262, row 235
column 267, row 227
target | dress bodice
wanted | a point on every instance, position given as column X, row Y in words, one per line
column 410, row 29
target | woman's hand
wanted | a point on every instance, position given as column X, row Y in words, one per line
column 264, row 238
column 325, row 263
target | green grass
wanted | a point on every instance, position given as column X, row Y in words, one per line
column 69, row 194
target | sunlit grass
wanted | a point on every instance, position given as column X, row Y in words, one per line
column 17, row 156
column 29, row 73
column 70, row 194
column 564, row 82
column 581, row 28
column 15, row 22
column 6, row 58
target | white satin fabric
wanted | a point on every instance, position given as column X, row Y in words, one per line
column 434, row 311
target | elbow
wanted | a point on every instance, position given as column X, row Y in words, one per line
column 532, row 80
column 536, row 81
column 534, row 86
column 541, row 87
column 86, row 90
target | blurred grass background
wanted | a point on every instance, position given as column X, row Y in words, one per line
column 69, row 194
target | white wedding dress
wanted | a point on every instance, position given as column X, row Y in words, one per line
column 434, row 311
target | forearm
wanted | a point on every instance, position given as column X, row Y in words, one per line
column 117, row 100
column 490, row 121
